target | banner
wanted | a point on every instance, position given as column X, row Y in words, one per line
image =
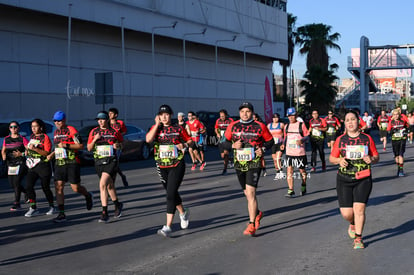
column 268, row 106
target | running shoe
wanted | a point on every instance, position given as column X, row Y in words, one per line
column 358, row 244
column 384, row 149
column 401, row 173
column 60, row 218
column 164, row 231
column 303, row 190
column 351, row 231
column 89, row 201
column 202, row 166
column 224, row 172
column 185, row 219
column 124, row 180
column 31, row 213
column 118, row 210
column 16, row 207
column 264, row 173
column 290, row 194
column 313, row 170
column 51, row 211
column 194, row 166
column 323, row 167
column 250, row 230
column 258, row 219
column 104, row 217
column 26, row 198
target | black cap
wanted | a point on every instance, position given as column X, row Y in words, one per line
column 246, row 105
column 165, row 109
column 102, row 115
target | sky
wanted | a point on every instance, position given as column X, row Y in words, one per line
column 382, row 22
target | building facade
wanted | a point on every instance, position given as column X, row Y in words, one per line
column 82, row 56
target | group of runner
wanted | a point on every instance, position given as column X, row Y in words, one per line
column 247, row 138
column 33, row 159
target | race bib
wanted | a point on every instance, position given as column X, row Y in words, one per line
column 13, row 170
column 316, row 133
column 32, row 162
column 35, row 142
column 105, row 150
column 292, row 144
column 356, row 151
column 245, row 154
column 277, row 140
column 60, row 153
column 384, row 125
column 194, row 133
column 331, row 130
column 168, row 152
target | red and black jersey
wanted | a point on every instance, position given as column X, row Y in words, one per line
column 398, row 129
column 223, row 124
column 333, row 124
column 166, row 153
column 67, row 135
column 119, row 125
column 42, row 142
column 353, row 149
column 14, row 144
column 383, row 122
column 313, row 123
column 104, row 145
column 252, row 135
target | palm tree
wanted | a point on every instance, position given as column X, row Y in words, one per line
column 319, row 89
column 291, row 47
column 315, row 40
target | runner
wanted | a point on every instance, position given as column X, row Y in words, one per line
column 398, row 129
column 12, row 153
column 317, row 128
column 248, row 137
column 354, row 152
column 104, row 141
column 181, row 121
column 276, row 129
column 410, row 120
column 169, row 140
column 195, row 128
column 296, row 134
column 333, row 125
column 382, row 122
column 120, row 127
column 220, row 127
column 369, row 121
column 67, row 142
column 38, row 148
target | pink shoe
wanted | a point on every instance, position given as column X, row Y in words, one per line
column 202, row 166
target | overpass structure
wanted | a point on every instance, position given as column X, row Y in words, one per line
column 387, row 57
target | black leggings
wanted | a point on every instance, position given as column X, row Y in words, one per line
column 171, row 179
column 317, row 145
column 42, row 171
column 16, row 183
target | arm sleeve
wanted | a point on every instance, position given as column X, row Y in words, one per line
column 47, row 146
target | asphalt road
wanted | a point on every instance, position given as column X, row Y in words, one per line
column 303, row 235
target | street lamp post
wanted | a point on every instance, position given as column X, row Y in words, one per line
column 244, row 65
column 153, row 57
column 216, row 58
column 184, row 57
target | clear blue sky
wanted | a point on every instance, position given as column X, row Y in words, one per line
column 382, row 22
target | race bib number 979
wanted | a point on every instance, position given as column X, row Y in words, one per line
column 356, row 151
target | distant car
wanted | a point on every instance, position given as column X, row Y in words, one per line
column 134, row 145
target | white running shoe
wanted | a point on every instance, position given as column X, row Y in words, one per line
column 185, row 219
column 51, row 211
column 164, row 231
column 32, row 212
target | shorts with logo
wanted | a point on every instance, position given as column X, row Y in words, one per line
column 249, row 177
column 299, row 162
column 109, row 166
column 68, row 173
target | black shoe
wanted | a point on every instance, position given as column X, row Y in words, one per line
column 124, row 180
column 118, row 210
column 224, row 172
column 89, row 201
column 60, row 218
column 104, row 218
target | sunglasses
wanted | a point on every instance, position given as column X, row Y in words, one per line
column 14, row 127
column 57, row 120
